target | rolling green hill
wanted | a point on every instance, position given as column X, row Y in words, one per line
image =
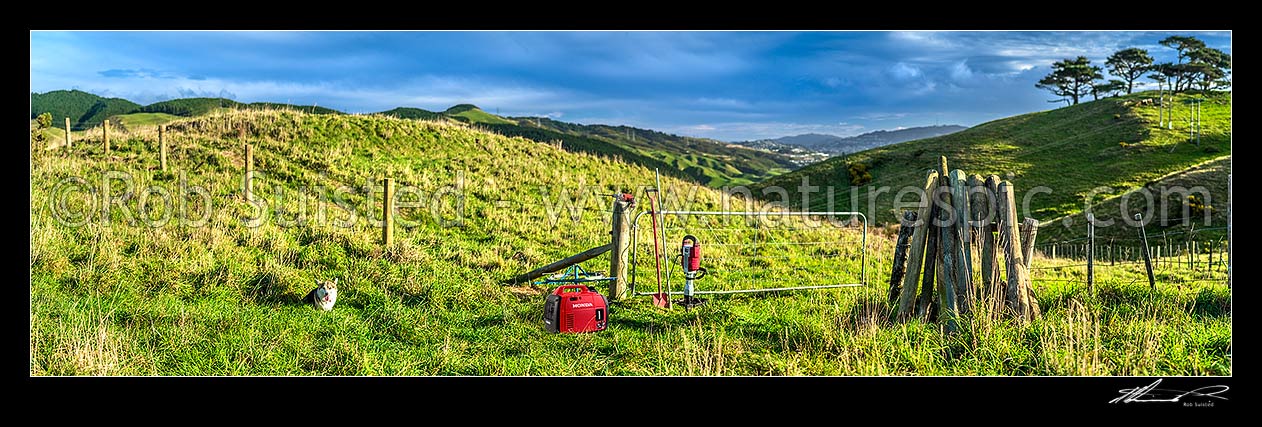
column 710, row 162
column 1112, row 142
column 188, row 107
column 1206, row 181
column 470, row 113
column 85, row 110
column 63, row 103
column 191, row 288
column 582, row 144
column 714, row 163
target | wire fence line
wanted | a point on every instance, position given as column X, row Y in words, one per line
column 1149, row 235
column 1174, row 257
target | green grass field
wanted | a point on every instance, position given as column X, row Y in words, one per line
column 112, row 298
column 144, row 119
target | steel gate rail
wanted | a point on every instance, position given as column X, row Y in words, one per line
column 636, row 237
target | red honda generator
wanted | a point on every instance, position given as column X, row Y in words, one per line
column 575, row 308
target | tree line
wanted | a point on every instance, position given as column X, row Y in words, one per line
column 1196, row 66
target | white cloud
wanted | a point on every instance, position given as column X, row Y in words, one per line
column 904, row 71
column 879, row 116
column 960, row 72
column 721, row 102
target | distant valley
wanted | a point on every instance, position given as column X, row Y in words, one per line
column 809, row 148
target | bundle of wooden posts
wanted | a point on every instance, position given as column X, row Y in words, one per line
column 935, row 252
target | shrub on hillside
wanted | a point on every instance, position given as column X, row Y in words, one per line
column 859, row 173
column 43, row 121
column 1197, row 207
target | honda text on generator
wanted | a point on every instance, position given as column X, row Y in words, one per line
column 690, row 259
column 575, row 308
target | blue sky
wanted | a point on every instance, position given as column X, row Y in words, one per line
column 723, row 85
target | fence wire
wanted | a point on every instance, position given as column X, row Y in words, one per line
column 750, row 254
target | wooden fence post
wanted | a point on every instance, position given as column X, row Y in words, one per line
column 1187, row 250
column 621, row 242
column 1196, row 250
column 915, row 257
column 933, row 264
column 162, row 148
column 105, row 136
column 899, row 270
column 963, row 252
column 925, row 308
column 948, row 248
column 67, row 134
column 387, row 213
column 991, row 283
column 1152, row 281
column 1029, row 232
column 1090, row 252
column 1169, row 251
column 249, row 173
column 1018, row 295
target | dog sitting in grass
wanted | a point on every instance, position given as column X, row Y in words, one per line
column 323, row 296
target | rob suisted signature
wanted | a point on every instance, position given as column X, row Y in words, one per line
column 1151, row 393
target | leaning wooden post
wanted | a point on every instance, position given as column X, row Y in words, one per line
column 162, row 148
column 573, row 259
column 907, row 295
column 1018, row 296
column 1090, row 252
column 621, row 242
column 963, row 255
column 1029, row 232
column 1152, row 281
column 925, row 308
column 105, row 135
column 948, row 248
column 387, row 213
column 991, row 281
column 67, row 134
column 905, row 230
column 976, row 212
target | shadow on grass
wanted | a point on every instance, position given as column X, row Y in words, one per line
column 1212, row 303
column 265, row 288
